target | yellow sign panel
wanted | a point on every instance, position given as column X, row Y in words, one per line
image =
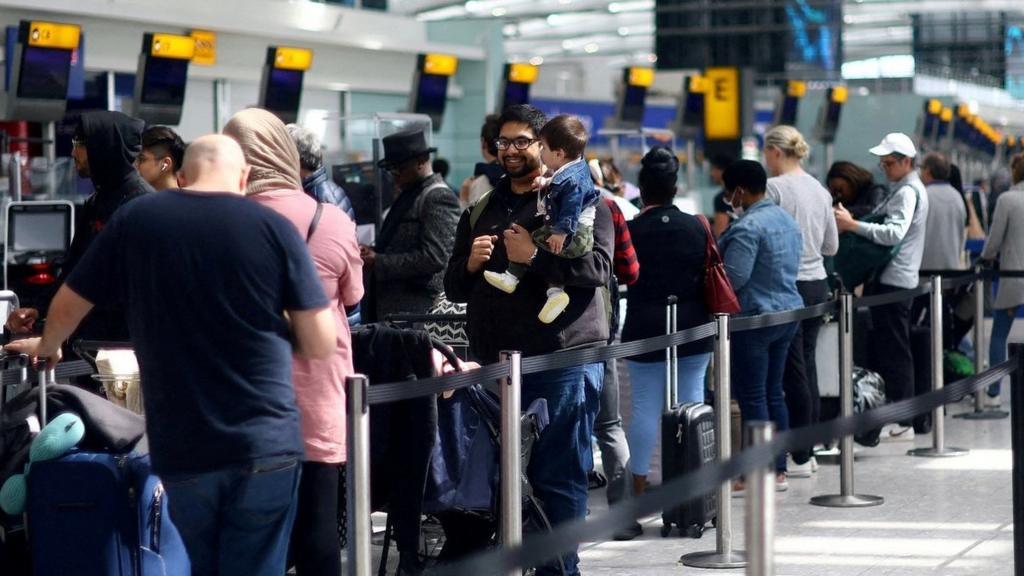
column 1011, row 141
column 963, row 111
column 840, row 94
column 206, row 48
column 698, row 84
column 523, row 73
column 53, row 35
column 796, row 89
column 287, row 58
column 946, row 115
column 934, row 107
column 172, row 46
column 722, row 104
column 643, row 77
column 440, row 64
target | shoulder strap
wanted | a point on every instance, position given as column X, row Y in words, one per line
column 316, row 221
column 478, row 208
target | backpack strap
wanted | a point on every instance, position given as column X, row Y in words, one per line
column 316, row 221
column 478, row 208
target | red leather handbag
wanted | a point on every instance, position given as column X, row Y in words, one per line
column 719, row 297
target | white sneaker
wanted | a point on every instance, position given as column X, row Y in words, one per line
column 794, row 470
column 557, row 302
column 989, row 401
column 814, row 464
column 897, row 433
column 504, row 281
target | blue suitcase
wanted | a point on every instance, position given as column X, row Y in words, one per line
column 95, row 514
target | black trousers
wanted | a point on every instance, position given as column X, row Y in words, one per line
column 891, row 352
column 315, row 549
column 800, row 381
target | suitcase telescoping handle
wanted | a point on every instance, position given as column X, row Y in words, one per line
column 671, row 359
column 46, row 375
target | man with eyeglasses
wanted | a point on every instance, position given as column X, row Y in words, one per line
column 104, row 148
column 495, row 231
column 408, row 258
column 905, row 211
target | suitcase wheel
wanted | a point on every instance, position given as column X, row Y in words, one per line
column 714, row 522
column 666, row 529
column 695, row 530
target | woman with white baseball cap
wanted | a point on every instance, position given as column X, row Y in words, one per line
column 905, row 212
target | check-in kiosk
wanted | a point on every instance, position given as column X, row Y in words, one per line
column 789, row 102
column 430, row 86
column 37, row 241
column 690, row 121
column 928, row 125
column 281, row 86
column 632, row 98
column 828, row 120
column 41, row 61
column 161, row 77
column 515, row 84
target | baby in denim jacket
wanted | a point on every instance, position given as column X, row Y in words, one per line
column 567, row 201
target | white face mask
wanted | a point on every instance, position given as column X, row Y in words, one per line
column 737, row 208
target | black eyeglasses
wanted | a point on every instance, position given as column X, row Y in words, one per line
column 521, row 143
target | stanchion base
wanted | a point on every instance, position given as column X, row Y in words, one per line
column 715, row 560
column 983, row 415
column 850, row 501
column 947, row 452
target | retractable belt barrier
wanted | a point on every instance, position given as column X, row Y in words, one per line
column 540, row 548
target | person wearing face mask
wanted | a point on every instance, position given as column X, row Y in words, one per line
column 810, row 204
column 761, row 252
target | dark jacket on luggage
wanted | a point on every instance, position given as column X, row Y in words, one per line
column 324, row 190
column 499, row 321
column 113, row 141
column 670, row 247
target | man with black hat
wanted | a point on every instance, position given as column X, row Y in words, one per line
column 408, row 261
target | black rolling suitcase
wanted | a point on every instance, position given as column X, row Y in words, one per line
column 687, row 443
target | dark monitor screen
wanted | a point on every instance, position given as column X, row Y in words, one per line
column 788, row 110
column 633, row 104
column 163, row 82
column 284, row 89
column 39, row 230
column 44, row 73
column 431, row 95
column 516, row 93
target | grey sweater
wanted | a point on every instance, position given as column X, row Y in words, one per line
column 1006, row 239
column 906, row 217
column 810, row 205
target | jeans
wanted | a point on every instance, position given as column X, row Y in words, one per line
column 891, row 353
column 315, row 548
column 561, row 457
column 758, row 365
column 647, row 381
column 611, row 438
column 800, row 382
column 236, row 521
column 1002, row 321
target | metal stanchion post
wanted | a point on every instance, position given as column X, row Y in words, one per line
column 760, row 521
column 670, row 305
column 511, row 489
column 980, row 353
column 1017, row 442
column 939, row 448
column 358, row 469
column 723, row 556
column 846, row 497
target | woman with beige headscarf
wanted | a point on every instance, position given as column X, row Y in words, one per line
column 319, row 384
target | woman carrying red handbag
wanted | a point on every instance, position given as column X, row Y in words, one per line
column 672, row 249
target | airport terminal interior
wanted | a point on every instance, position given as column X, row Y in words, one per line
column 779, row 336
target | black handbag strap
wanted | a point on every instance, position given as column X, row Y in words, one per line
column 316, row 221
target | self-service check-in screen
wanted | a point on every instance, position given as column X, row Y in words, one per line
column 36, row 231
column 44, row 73
column 164, row 83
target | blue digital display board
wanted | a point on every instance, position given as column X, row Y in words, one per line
column 1015, row 60
column 815, row 34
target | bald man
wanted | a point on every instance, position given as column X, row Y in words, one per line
column 217, row 292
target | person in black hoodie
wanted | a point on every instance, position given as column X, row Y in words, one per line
column 104, row 148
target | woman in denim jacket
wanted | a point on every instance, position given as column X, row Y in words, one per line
column 761, row 252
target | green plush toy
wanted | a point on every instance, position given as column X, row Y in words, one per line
column 55, row 440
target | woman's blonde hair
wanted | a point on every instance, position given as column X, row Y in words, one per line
column 789, row 140
column 1017, row 168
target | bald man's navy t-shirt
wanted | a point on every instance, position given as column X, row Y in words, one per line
column 204, row 280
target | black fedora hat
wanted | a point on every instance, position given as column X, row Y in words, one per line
column 402, row 146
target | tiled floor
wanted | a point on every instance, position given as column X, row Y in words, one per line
column 940, row 516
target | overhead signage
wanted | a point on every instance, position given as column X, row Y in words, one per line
column 206, row 48
column 643, row 77
column 522, row 73
column 722, row 103
column 440, row 64
column 53, row 35
column 172, row 46
column 286, row 58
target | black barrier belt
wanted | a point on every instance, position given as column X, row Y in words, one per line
column 893, row 297
column 541, row 548
column 396, row 391
column 12, row 376
column 958, row 281
column 568, row 358
column 427, row 318
column 745, row 323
